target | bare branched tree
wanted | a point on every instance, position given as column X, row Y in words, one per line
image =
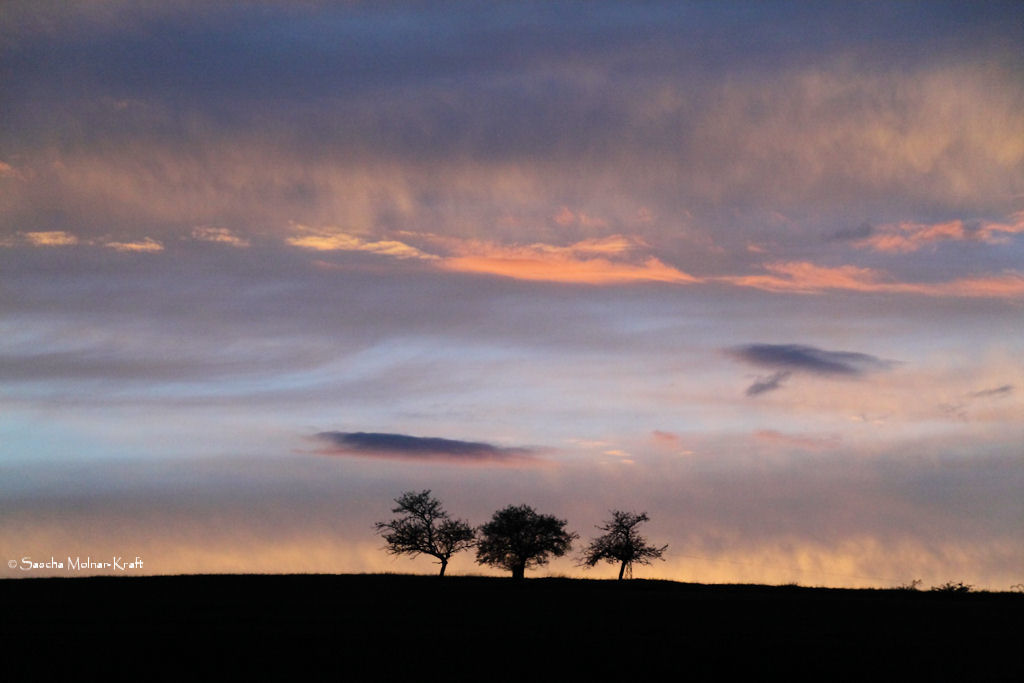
column 622, row 543
column 424, row 528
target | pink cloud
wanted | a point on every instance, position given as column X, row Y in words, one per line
column 665, row 437
column 907, row 236
column 807, row 278
column 811, row 443
column 566, row 217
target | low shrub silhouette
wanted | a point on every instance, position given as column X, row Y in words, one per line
column 950, row 587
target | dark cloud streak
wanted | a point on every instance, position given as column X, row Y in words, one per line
column 996, row 391
column 765, row 384
column 403, row 446
column 786, row 359
column 799, row 358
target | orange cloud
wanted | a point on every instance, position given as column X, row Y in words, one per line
column 808, row 278
column 205, row 233
column 585, row 262
column 907, row 237
column 597, row 261
column 146, row 244
column 62, row 238
column 613, row 244
column 7, row 171
column 51, row 238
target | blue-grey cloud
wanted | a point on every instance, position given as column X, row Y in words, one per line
column 384, row 445
column 770, row 383
column 799, row 358
column 785, row 359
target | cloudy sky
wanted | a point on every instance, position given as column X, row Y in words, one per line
column 754, row 268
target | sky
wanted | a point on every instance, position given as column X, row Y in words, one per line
column 756, row 269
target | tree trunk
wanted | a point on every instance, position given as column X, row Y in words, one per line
column 519, row 571
column 622, row 570
column 444, row 565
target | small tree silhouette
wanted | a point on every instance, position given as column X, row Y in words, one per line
column 622, row 544
column 517, row 537
column 425, row 529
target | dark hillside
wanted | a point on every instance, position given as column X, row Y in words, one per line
column 477, row 628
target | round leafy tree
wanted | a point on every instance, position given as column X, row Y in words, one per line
column 517, row 538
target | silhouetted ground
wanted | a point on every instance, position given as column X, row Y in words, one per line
column 393, row 627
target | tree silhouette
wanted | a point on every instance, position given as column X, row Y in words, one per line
column 622, row 544
column 425, row 529
column 517, row 537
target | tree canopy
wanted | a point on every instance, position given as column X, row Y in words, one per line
column 517, row 537
column 425, row 528
column 622, row 543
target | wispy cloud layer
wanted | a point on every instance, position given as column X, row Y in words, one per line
column 558, row 118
